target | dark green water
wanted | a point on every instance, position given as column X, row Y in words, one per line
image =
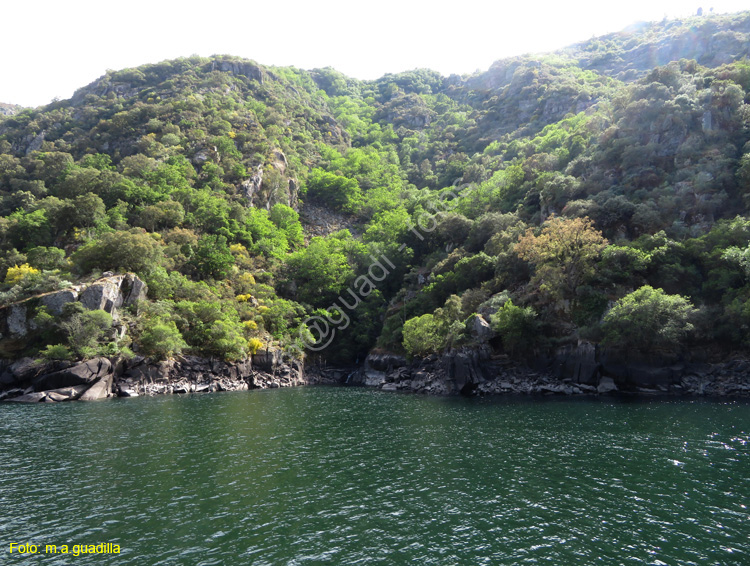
column 352, row 476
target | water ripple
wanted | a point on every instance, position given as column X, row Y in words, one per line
column 349, row 476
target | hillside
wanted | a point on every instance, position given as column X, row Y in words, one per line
column 9, row 109
column 598, row 193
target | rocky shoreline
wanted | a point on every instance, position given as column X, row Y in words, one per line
column 29, row 381
column 576, row 371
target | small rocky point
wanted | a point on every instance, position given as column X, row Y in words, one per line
column 32, row 381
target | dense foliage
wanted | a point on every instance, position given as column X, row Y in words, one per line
column 594, row 193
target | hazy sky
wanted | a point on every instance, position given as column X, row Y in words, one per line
column 51, row 48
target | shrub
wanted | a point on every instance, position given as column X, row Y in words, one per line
column 225, row 340
column 162, row 340
column 422, row 335
column 16, row 274
column 516, row 325
column 253, row 345
column 84, row 329
column 649, row 319
column 56, row 352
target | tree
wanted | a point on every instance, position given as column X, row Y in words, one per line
column 131, row 250
column 336, row 190
column 564, row 254
column 167, row 214
column 287, row 219
column 29, row 229
column 321, row 271
column 86, row 210
column 648, row 319
column 213, row 257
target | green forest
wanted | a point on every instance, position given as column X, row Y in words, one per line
column 598, row 193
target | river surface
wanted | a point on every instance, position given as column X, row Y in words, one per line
column 352, row 476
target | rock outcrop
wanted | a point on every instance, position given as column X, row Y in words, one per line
column 31, row 381
column 271, row 185
column 111, row 293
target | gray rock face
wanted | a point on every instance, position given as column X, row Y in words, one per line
column 384, row 362
column 36, row 143
column 56, row 301
column 111, row 293
column 103, row 295
column 481, row 330
column 244, row 68
column 267, row 360
column 465, row 368
column 251, row 187
column 579, row 363
column 17, row 324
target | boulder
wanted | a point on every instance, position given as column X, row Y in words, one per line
column 127, row 393
column 132, row 290
column 30, row 398
column 606, row 385
column 103, row 295
column 481, row 330
column 79, row 374
column 110, row 293
column 100, row 390
column 66, row 393
column 20, row 371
